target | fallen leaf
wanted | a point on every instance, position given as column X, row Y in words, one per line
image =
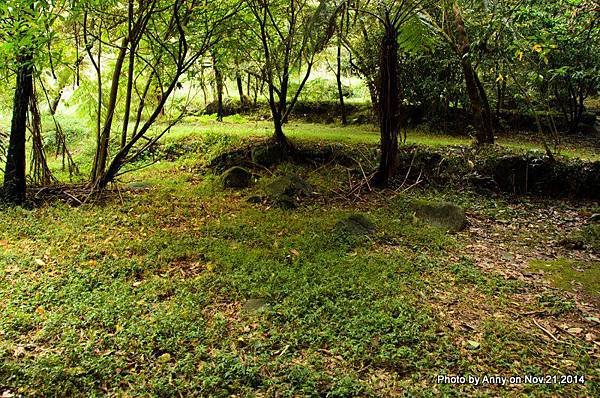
column 589, row 337
column 19, row 351
column 40, row 262
column 473, row 345
column 164, row 358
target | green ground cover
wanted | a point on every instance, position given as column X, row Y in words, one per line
column 186, row 289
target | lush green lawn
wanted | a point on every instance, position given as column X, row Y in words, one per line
column 366, row 134
column 155, row 292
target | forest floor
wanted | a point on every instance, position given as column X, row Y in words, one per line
column 174, row 286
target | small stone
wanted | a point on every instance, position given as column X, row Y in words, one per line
column 507, row 256
column 285, row 202
column 473, row 345
column 572, row 244
column 139, row 186
column 255, row 199
column 164, row 358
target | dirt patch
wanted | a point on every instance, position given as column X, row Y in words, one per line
column 532, row 232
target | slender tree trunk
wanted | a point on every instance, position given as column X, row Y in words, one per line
column 40, row 173
column 279, row 136
column 14, row 172
column 130, row 74
column 121, row 157
column 389, row 105
column 56, row 102
column 128, row 94
column 488, row 115
column 482, row 115
column 248, row 84
column 203, row 86
column 219, row 84
column 101, row 156
column 338, row 77
column 240, row 86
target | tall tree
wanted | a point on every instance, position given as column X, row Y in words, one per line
column 480, row 105
column 22, row 28
column 391, row 16
column 448, row 22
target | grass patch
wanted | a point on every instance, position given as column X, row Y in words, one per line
column 568, row 275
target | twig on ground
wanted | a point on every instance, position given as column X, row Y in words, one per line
column 365, row 176
column 409, row 170
column 545, row 331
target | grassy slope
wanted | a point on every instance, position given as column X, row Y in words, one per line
column 144, row 296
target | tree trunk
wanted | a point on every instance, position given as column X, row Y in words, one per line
column 248, row 84
column 101, row 156
column 56, row 102
column 128, row 94
column 338, row 77
column 279, row 136
column 240, row 86
column 482, row 115
column 14, row 172
column 389, row 105
column 219, row 84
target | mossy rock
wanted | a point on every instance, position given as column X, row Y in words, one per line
column 284, row 192
column 444, row 215
column 285, row 202
column 236, row 178
column 267, row 155
column 290, row 185
column 355, row 225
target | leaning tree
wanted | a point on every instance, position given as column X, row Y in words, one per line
column 164, row 40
